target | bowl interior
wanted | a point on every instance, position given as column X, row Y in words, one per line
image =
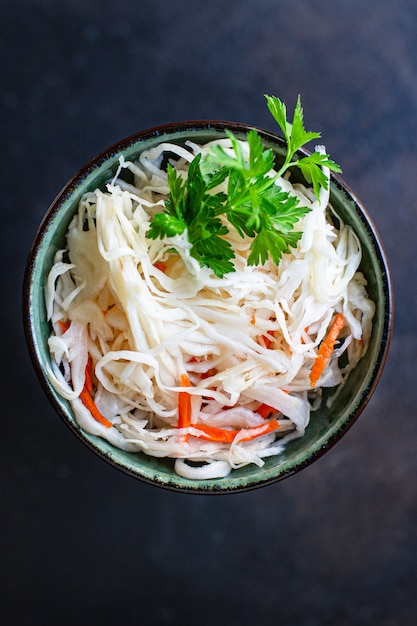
column 326, row 425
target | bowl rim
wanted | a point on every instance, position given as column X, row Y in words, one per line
column 159, row 132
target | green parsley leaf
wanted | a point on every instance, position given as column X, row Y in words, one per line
column 299, row 136
column 254, row 204
column 270, row 242
column 311, row 167
column 190, row 206
column 296, row 137
column 165, row 225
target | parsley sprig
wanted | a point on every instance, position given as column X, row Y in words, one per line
column 254, row 204
column 296, row 137
column 191, row 206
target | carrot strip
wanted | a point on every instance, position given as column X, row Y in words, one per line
column 89, row 404
column 209, row 373
column 160, row 266
column 326, row 349
column 258, row 431
column 89, row 376
column 306, row 331
column 85, row 395
column 185, row 381
column 211, row 433
column 87, row 400
column 64, row 325
column 265, row 410
column 267, row 340
column 184, row 403
column 220, row 435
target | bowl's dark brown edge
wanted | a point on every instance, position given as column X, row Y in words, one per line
column 156, row 132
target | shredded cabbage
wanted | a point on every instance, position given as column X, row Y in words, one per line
column 145, row 315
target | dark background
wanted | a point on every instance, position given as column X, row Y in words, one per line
column 82, row 543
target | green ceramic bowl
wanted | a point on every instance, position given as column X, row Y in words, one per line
column 327, row 426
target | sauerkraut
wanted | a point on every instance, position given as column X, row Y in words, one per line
column 144, row 316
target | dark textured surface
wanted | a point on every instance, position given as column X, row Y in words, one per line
column 83, row 543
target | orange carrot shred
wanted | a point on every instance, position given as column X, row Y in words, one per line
column 306, row 331
column 266, row 340
column 88, row 376
column 87, row 399
column 326, row 349
column 184, row 403
column 88, row 402
column 160, row 266
column 185, row 381
column 64, row 325
column 221, row 435
column 209, row 373
column 258, row 431
column 85, row 395
column 265, row 410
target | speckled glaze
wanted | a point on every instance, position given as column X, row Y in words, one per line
column 326, row 426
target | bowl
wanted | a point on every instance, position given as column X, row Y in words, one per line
column 328, row 425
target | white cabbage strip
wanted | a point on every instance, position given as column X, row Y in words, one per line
column 144, row 316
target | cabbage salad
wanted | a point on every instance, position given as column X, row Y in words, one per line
column 160, row 354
